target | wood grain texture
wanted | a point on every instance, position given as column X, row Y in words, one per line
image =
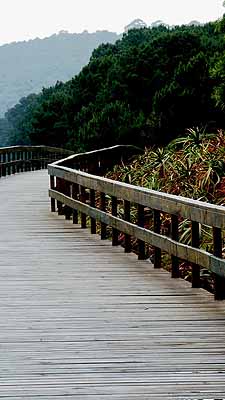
column 79, row 319
column 195, row 210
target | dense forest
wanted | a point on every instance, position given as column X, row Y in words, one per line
column 147, row 88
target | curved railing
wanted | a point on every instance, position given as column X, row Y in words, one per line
column 75, row 183
column 27, row 158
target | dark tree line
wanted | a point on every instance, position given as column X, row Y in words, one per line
column 147, row 88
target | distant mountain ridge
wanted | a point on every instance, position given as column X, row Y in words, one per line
column 26, row 67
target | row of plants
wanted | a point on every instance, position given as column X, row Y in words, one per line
column 191, row 166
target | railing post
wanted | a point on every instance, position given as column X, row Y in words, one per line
column 92, row 204
column 21, row 161
column 3, row 166
column 43, row 159
column 52, row 186
column 40, row 157
column 31, row 160
column 83, row 216
column 103, row 208
column 25, row 160
column 28, row 161
column 219, row 281
column 157, row 227
column 115, row 233
column 39, row 160
column 175, row 236
column 127, row 218
column 59, row 189
column 195, row 242
column 13, row 160
column 75, row 191
column 141, row 223
column 67, row 192
column 8, row 160
column 17, row 163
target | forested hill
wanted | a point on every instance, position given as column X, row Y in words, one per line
column 145, row 89
column 26, row 67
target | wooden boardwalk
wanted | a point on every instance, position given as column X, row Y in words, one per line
column 79, row 319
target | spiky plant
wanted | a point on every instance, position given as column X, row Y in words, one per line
column 192, row 166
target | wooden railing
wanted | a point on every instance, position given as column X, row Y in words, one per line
column 28, row 158
column 99, row 161
column 76, row 191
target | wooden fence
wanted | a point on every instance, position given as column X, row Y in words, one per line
column 28, row 158
column 75, row 185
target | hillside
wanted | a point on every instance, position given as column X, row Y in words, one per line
column 26, row 67
column 147, row 88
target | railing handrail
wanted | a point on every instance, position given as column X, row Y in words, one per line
column 25, row 158
column 204, row 213
column 97, row 154
column 69, row 189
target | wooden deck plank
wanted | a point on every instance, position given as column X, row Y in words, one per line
column 79, row 319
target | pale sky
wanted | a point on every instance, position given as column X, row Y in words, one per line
column 27, row 19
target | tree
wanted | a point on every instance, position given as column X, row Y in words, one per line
column 148, row 87
column 19, row 118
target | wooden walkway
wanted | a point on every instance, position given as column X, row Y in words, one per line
column 79, row 319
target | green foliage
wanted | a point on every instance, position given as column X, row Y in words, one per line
column 192, row 166
column 5, row 132
column 218, row 73
column 147, row 88
column 19, row 118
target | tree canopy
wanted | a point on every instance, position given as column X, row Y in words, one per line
column 147, row 88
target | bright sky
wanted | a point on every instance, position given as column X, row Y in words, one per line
column 27, row 19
